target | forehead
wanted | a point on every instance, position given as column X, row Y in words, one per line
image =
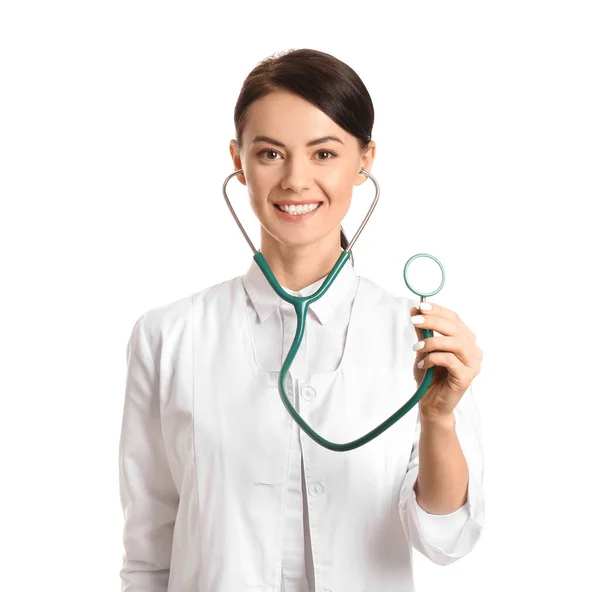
column 289, row 118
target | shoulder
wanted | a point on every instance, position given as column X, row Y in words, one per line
column 381, row 299
column 177, row 315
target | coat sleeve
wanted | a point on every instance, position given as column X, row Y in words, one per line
column 148, row 494
column 444, row 538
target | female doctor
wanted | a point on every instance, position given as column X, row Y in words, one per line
column 221, row 491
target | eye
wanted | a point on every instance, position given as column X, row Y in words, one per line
column 332, row 154
column 268, row 151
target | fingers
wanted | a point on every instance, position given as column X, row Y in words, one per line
column 459, row 375
column 449, row 322
column 461, row 348
column 444, row 325
column 455, row 338
column 447, row 360
column 438, row 311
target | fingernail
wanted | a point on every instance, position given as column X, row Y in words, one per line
column 420, row 364
column 419, row 345
column 425, row 306
column 417, row 320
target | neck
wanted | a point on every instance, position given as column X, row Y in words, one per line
column 296, row 267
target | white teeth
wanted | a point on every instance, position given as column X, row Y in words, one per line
column 297, row 210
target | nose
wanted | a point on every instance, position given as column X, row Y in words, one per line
column 297, row 176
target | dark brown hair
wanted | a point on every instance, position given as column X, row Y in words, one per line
column 323, row 80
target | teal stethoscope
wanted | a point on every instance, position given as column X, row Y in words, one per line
column 301, row 304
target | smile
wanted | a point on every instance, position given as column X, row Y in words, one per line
column 298, row 210
column 297, row 213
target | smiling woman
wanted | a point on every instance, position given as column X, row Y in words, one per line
column 221, row 489
column 303, row 125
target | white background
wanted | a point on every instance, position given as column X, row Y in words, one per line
column 115, row 119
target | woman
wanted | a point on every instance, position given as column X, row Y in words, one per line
column 221, row 490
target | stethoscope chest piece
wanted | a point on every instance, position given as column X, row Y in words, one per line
column 423, row 295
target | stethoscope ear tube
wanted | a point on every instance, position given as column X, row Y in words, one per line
column 350, row 244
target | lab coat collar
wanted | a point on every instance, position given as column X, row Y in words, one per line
column 265, row 300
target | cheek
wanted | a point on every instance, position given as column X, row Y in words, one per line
column 260, row 205
column 257, row 204
column 255, row 176
column 339, row 193
column 258, row 188
column 338, row 183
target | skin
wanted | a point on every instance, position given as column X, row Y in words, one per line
column 301, row 253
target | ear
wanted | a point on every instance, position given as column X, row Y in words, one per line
column 237, row 160
column 366, row 161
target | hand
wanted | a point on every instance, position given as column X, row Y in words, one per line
column 456, row 358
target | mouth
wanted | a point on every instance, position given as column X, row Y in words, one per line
column 296, row 213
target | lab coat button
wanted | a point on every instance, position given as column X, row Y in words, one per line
column 308, row 393
column 316, row 489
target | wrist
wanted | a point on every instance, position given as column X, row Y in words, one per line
column 445, row 422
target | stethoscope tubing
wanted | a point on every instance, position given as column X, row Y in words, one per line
column 301, row 304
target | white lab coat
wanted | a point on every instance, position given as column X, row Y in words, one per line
column 207, row 447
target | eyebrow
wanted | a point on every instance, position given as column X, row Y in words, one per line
column 311, row 143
